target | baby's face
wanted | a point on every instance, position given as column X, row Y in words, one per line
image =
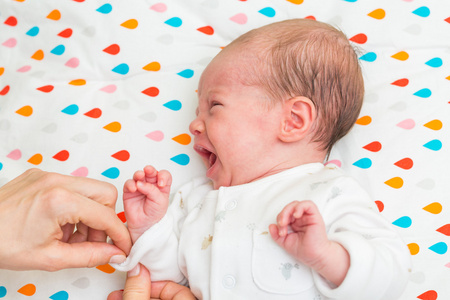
column 234, row 126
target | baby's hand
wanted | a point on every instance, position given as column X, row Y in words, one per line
column 145, row 199
column 300, row 230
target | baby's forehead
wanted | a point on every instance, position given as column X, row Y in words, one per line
column 230, row 68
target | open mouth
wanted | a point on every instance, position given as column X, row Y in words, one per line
column 209, row 156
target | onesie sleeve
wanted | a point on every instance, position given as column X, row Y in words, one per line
column 157, row 248
column 380, row 261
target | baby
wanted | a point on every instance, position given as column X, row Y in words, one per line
column 271, row 220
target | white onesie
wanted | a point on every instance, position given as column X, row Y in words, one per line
column 217, row 241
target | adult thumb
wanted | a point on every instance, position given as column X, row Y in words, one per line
column 138, row 284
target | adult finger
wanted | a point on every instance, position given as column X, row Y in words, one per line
column 168, row 290
column 80, row 235
column 83, row 233
column 137, row 287
column 96, row 235
column 116, row 295
column 105, row 220
column 99, row 191
column 67, row 232
column 96, row 191
column 138, row 284
column 75, row 208
column 79, row 255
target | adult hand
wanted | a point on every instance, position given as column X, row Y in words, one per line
column 38, row 214
column 139, row 287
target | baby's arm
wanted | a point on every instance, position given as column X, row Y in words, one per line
column 157, row 248
column 145, row 199
column 301, row 231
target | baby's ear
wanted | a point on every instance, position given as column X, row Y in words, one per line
column 298, row 119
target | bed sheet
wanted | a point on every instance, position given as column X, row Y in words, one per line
column 102, row 88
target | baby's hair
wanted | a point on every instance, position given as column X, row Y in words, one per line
column 308, row 58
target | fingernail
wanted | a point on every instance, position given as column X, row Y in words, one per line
column 117, row 259
column 135, row 271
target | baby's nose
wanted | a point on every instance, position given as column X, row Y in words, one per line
column 197, row 126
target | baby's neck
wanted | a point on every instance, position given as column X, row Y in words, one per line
column 283, row 166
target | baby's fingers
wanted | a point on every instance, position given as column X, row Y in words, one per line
column 129, row 186
column 151, row 174
column 275, row 232
column 164, row 179
column 305, row 208
column 147, row 189
column 286, row 216
column 139, row 175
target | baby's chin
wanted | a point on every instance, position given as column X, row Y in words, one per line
column 226, row 181
column 218, row 183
